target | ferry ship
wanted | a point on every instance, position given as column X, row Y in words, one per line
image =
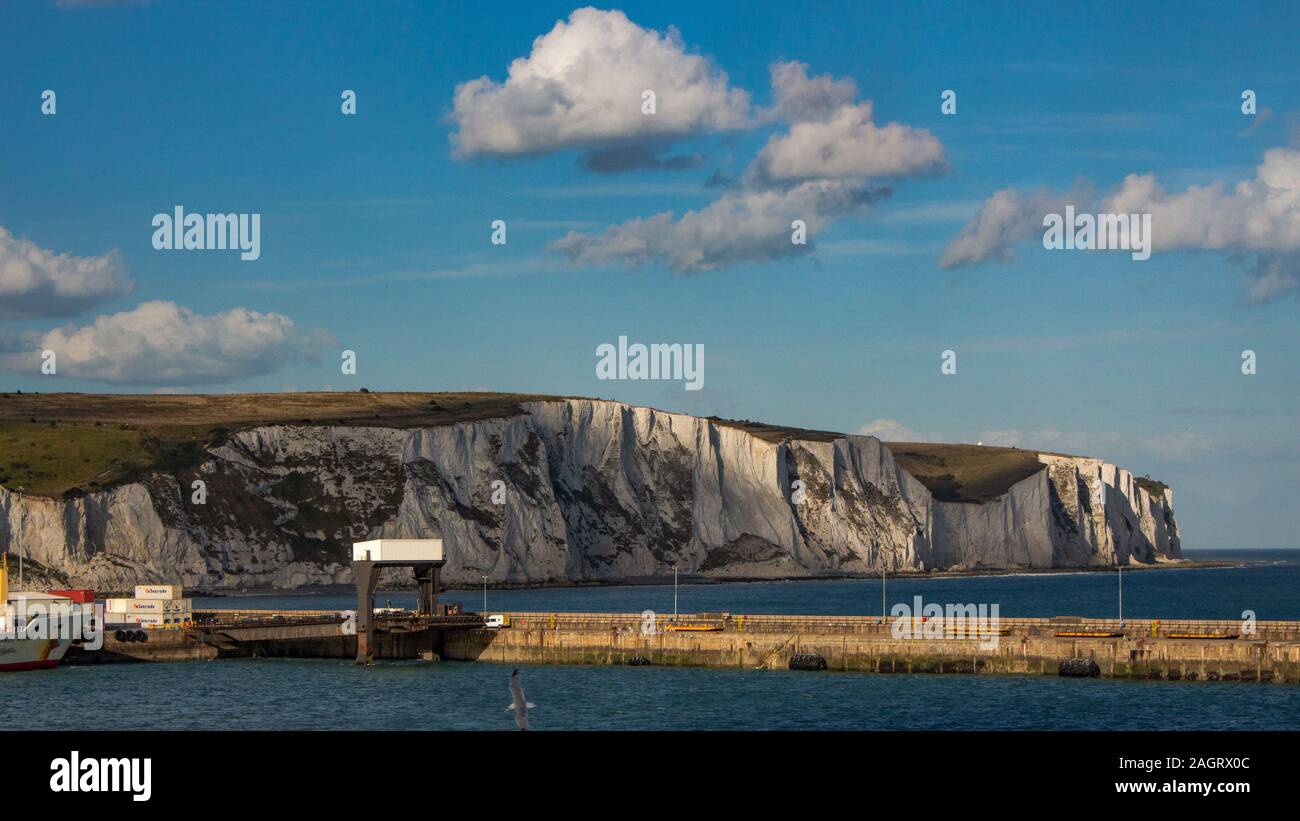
column 33, row 637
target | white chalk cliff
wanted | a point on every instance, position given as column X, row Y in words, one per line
column 576, row 490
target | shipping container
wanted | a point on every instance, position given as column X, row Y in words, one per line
column 136, row 606
column 157, row 591
column 81, row 596
column 140, row 619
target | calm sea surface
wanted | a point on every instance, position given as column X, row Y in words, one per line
column 1267, row 582
column 318, row 694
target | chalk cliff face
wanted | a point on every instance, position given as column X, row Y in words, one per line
column 576, row 490
column 1075, row 513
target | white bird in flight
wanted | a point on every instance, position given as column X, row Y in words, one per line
column 518, row 703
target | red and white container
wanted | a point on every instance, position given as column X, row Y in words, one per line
column 158, row 592
column 156, row 606
column 80, row 596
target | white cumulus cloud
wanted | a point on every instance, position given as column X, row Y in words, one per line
column 849, row 144
column 888, row 430
column 798, row 97
column 581, row 88
column 1005, row 219
column 1273, row 277
column 35, row 282
column 822, row 169
column 744, row 226
column 1261, row 214
column 1258, row 216
column 161, row 343
column 831, row 137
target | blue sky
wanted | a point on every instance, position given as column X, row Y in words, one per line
column 375, row 237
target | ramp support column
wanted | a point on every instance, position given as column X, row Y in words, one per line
column 367, row 577
column 427, row 576
column 424, row 556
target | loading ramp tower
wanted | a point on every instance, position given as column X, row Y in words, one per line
column 368, row 558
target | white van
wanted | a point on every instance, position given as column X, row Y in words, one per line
column 495, row 622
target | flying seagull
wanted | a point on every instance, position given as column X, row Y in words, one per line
column 518, row 703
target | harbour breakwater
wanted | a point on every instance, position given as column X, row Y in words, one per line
column 1143, row 649
column 1135, row 649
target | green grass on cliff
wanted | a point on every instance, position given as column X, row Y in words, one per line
column 49, row 458
column 953, row 473
column 1152, row 486
column 55, row 444
column 965, row 473
column 67, row 443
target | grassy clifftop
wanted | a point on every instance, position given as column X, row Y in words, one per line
column 66, row 443
column 965, row 473
column 952, row 473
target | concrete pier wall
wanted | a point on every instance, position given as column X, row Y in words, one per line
column 1172, row 650
column 162, row 645
column 536, row 638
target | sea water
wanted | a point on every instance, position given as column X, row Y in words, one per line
column 327, row 694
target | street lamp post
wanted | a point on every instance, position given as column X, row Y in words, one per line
column 484, row 593
column 1121, row 594
column 675, row 593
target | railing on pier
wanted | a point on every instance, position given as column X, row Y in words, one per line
column 1134, row 628
column 759, row 623
column 240, row 614
column 209, row 619
column 224, row 619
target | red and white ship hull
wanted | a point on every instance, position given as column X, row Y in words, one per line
column 31, row 654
